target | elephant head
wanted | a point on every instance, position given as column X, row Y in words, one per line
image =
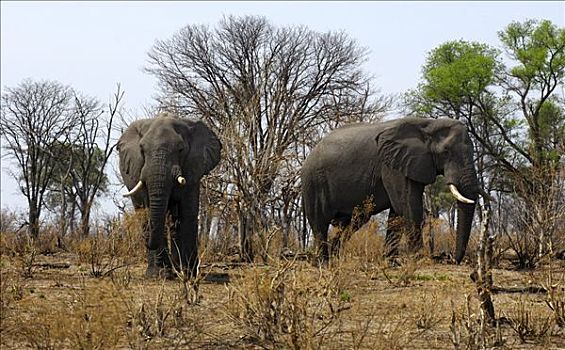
column 163, row 159
column 421, row 149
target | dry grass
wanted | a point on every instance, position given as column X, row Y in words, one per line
column 93, row 296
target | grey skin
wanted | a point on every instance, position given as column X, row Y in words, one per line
column 161, row 162
column 391, row 163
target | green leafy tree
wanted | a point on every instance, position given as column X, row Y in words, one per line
column 76, row 172
column 512, row 111
column 456, row 83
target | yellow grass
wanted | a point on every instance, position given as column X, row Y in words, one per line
column 56, row 301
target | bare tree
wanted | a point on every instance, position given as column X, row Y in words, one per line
column 35, row 116
column 268, row 92
column 94, row 146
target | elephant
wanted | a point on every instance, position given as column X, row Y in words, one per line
column 388, row 163
column 162, row 161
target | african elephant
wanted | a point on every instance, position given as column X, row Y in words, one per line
column 389, row 163
column 162, row 160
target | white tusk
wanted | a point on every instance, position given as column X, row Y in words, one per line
column 459, row 196
column 135, row 189
column 181, row 180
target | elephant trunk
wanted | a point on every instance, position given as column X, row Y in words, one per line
column 469, row 186
column 158, row 193
column 465, row 214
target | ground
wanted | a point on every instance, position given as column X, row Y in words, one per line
column 54, row 301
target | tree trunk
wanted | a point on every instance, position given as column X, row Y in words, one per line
column 33, row 220
column 72, row 217
column 244, row 232
column 483, row 272
column 85, row 221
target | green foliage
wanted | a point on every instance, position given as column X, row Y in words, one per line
column 438, row 197
column 459, row 70
column 539, row 50
column 511, row 111
column 455, row 79
column 75, row 173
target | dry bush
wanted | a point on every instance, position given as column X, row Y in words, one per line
column 285, row 306
column 89, row 319
column 404, row 274
column 10, row 221
column 100, row 253
column 151, row 318
column 437, row 233
column 470, row 329
column 23, row 249
column 529, row 325
column 427, row 316
column 102, row 315
column 11, row 292
column 112, row 247
column 377, row 329
column 366, row 245
column 552, row 279
column 555, row 300
column 128, row 235
column 160, row 318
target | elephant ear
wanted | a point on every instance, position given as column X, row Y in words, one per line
column 131, row 159
column 205, row 149
column 404, row 147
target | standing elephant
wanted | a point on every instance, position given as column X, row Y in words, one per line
column 162, row 161
column 391, row 163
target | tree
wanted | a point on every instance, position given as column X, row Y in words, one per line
column 268, row 92
column 61, row 143
column 79, row 175
column 512, row 112
column 94, row 147
column 35, row 116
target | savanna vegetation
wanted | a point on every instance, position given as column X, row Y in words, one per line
column 71, row 280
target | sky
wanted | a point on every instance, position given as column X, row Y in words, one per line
column 92, row 46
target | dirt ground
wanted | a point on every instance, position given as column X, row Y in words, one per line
column 55, row 302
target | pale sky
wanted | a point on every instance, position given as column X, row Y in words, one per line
column 92, row 46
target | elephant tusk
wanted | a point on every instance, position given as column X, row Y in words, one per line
column 181, row 180
column 459, row 196
column 135, row 189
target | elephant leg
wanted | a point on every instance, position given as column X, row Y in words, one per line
column 415, row 216
column 188, row 244
column 393, row 234
column 158, row 262
column 321, row 242
column 153, row 256
column 157, row 265
column 174, row 230
column 185, row 242
column 344, row 228
column 159, row 259
column 406, row 197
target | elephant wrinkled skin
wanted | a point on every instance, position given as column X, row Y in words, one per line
column 162, row 160
column 389, row 163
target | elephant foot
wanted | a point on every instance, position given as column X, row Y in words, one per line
column 154, row 272
column 158, row 264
